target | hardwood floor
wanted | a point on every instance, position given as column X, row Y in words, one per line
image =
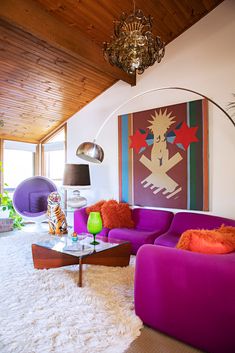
column 151, row 341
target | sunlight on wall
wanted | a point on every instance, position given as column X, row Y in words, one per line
column 18, row 165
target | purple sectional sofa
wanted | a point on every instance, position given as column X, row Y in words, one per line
column 189, row 220
column 188, row 295
column 149, row 224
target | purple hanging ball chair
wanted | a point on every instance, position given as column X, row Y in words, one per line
column 30, row 198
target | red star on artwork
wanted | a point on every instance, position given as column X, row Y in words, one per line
column 138, row 141
column 185, row 135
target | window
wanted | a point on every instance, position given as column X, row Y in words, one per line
column 54, row 157
column 19, row 160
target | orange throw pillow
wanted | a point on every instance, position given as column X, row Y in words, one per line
column 96, row 207
column 215, row 241
column 116, row 215
column 125, row 216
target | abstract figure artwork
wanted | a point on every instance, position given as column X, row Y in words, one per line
column 163, row 156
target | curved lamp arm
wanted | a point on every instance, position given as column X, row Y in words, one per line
column 92, row 152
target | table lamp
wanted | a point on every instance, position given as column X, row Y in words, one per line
column 76, row 177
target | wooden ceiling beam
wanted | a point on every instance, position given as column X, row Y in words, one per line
column 16, row 138
column 31, row 17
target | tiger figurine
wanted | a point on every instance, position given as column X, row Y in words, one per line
column 56, row 217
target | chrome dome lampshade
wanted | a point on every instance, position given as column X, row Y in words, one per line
column 91, row 152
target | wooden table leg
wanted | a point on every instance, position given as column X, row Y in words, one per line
column 80, row 273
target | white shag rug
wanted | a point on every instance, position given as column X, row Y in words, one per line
column 44, row 311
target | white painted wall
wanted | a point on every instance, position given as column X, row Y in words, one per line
column 201, row 59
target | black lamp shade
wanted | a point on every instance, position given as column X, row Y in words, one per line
column 76, row 175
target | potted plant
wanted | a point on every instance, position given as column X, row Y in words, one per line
column 7, row 208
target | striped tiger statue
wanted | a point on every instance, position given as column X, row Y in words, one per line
column 56, row 217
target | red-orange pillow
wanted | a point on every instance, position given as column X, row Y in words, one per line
column 215, row 241
column 116, row 215
column 96, row 207
column 125, row 216
column 228, row 230
column 109, row 214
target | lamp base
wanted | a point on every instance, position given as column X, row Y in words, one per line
column 76, row 201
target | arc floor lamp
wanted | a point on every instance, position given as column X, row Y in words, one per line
column 92, row 152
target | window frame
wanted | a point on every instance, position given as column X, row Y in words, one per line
column 35, row 160
column 46, row 140
column 39, row 155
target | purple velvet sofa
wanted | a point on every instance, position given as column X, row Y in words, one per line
column 189, row 220
column 185, row 294
column 149, row 224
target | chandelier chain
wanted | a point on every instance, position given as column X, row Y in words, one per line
column 133, row 5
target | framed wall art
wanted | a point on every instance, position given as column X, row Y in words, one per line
column 163, row 156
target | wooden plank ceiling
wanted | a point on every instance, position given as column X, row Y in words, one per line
column 51, row 62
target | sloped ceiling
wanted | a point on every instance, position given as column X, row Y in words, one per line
column 51, row 61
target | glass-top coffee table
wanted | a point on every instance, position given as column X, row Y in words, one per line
column 62, row 251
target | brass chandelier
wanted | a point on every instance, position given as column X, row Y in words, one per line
column 133, row 48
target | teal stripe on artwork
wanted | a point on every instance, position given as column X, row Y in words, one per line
column 192, row 153
column 188, row 162
column 125, row 147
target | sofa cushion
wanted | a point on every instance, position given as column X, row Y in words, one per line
column 147, row 219
column 183, row 221
column 116, row 215
column 217, row 241
column 135, row 236
column 168, row 239
column 189, row 220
